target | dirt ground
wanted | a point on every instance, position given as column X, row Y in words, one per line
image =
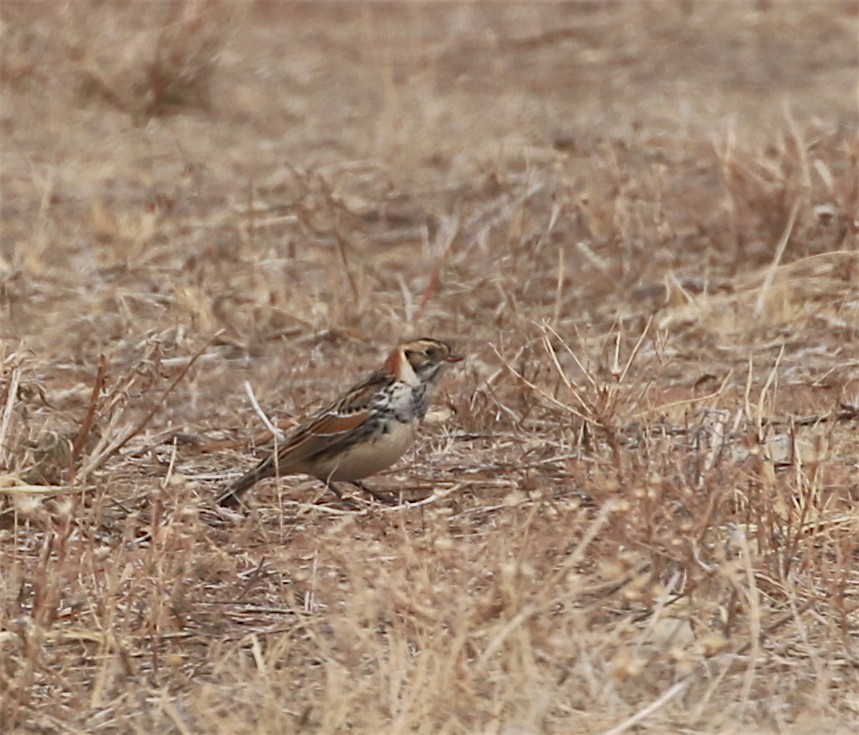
column 634, row 507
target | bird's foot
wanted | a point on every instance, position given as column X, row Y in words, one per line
column 376, row 495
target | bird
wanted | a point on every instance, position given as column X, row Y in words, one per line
column 364, row 431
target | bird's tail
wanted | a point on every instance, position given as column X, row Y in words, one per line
column 230, row 497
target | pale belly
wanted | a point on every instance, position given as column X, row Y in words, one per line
column 368, row 458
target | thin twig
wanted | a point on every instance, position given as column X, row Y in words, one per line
column 634, row 353
column 267, row 422
column 166, row 481
column 559, row 288
column 644, row 713
column 86, row 425
column 550, row 398
column 341, row 248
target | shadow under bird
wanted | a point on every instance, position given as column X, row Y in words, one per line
column 364, row 431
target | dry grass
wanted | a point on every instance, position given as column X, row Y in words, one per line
column 639, row 222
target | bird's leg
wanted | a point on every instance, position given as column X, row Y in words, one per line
column 381, row 497
column 339, row 493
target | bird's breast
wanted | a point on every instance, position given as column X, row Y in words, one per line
column 372, row 454
column 396, row 402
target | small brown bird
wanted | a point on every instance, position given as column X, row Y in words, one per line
column 364, row 431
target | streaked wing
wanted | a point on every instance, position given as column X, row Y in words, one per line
column 328, row 430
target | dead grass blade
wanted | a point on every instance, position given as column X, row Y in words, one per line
column 6, row 418
column 86, row 424
column 769, row 277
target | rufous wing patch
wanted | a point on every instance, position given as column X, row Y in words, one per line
column 334, row 424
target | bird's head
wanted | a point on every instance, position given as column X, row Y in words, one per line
column 420, row 360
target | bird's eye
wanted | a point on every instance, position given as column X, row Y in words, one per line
column 433, row 353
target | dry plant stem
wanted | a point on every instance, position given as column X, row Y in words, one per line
column 34, row 489
column 601, row 410
column 340, row 238
column 6, row 420
column 725, row 154
column 645, row 712
column 585, row 371
column 112, row 449
column 166, row 481
column 747, row 392
column 272, row 429
column 559, row 289
column 537, row 389
column 635, row 350
column 770, row 380
column 801, row 149
column 753, row 605
column 252, row 224
column 663, row 407
column 779, row 252
column 616, row 369
column 341, row 249
column 86, row 426
column 408, row 300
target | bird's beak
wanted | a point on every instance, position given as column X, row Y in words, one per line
column 453, row 357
